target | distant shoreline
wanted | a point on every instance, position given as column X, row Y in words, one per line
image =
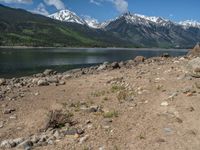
column 114, row 48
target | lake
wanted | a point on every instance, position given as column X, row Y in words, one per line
column 21, row 62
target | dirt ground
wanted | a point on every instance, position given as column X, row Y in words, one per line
column 151, row 106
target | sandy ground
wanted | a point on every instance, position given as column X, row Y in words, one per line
column 152, row 106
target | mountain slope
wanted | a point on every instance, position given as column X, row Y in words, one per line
column 67, row 16
column 154, row 32
column 19, row 27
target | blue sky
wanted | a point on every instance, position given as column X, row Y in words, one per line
column 176, row 10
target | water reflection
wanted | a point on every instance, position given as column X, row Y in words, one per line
column 19, row 62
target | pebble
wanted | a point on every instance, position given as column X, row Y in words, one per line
column 2, row 81
column 27, row 145
column 13, row 116
column 1, row 124
column 7, row 144
column 168, row 130
column 8, row 111
column 83, row 139
column 165, row 103
column 42, row 82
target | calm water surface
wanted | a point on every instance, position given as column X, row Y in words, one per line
column 21, row 62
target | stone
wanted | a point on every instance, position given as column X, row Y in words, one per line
column 165, row 103
column 66, row 76
column 193, row 67
column 139, row 59
column 102, row 67
column 61, row 82
column 13, row 116
column 72, row 131
column 1, row 124
column 35, row 139
column 7, row 144
column 83, row 139
column 57, row 134
column 42, row 82
column 8, row 111
column 2, row 81
column 168, row 130
column 48, row 72
column 52, row 80
column 195, row 51
column 166, row 55
column 18, row 141
column 115, row 65
column 93, row 108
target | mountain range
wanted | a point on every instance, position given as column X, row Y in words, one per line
column 65, row 28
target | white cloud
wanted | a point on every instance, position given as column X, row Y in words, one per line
column 56, row 3
column 16, row 1
column 96, row 2
column 41, row 9
column 120, row 5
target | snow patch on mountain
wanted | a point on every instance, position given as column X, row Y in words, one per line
column 67, row 16
column 190, row 23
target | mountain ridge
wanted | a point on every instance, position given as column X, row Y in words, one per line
column 19, row 27
column 158, row 20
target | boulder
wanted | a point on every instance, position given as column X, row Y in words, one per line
column 48, row 72
column 193, row 67
column 115, row 65
column 2, row 81
column 42, row 82
column 166, row 55
column 195, row 51
column 139, row 59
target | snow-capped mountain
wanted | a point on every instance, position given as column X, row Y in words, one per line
column 139, row 30
column 158, row 20
column 190, row 23
column 67, row 16
column 91, row 22
column 144, row 20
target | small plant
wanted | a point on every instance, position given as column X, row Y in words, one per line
column 116, row 88
column 105, row 98
column 122, row 95
column 111, row 114
column 58, row 119
column 98, row 93
column 141, row 137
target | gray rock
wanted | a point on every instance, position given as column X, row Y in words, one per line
column 26, row 145
column 42, row 82
column 139, row 59
column 57, row 134
column 52, row 80
column 66, row 76
column 61, row 82
column 83, row 139
column 48, row 72
column 7, row 144
column 1, row 124
column 8, row 111
column 18, row 141
column 193, row 67
column 115, row 65
column 35, row 139
column 2, row 81
column 101, row 67
column 72, row 131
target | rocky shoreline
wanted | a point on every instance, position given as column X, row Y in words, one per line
column 61, row 123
